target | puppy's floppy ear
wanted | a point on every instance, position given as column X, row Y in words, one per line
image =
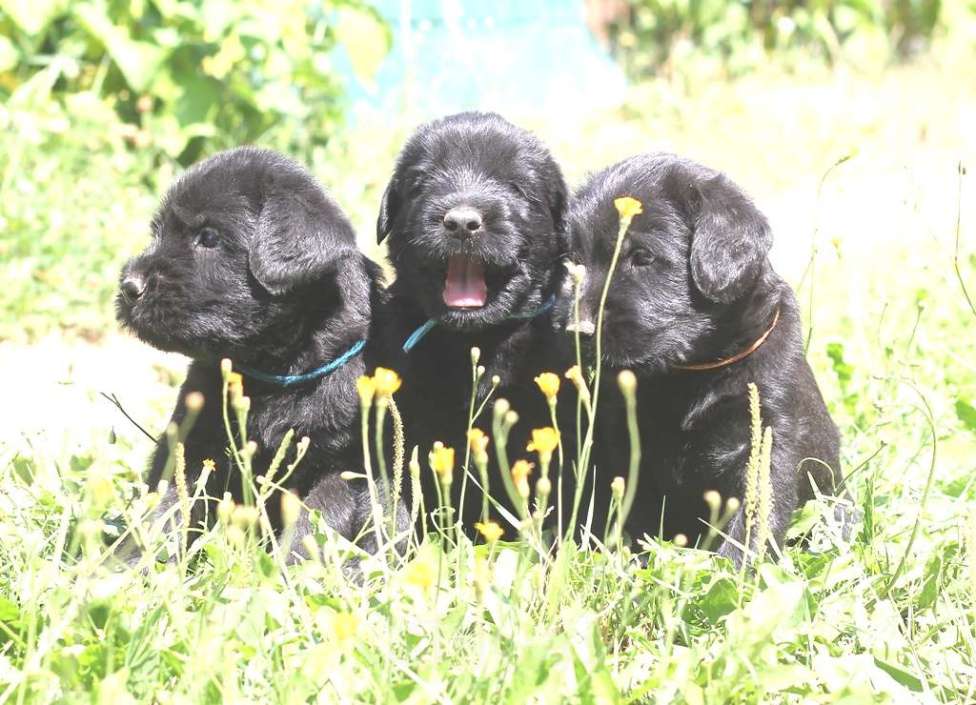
column 300, row 237
column 730, row 241
column 388, row 210
column 557, row 193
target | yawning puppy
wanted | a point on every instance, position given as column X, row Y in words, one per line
column 250, row 260
column 474, row 215
column 697, row 312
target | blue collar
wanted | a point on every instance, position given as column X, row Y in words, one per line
column 424, row 329
column 290, row 380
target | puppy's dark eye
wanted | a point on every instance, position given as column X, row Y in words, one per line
column 207, row 237
column 517, row 189
column 641, row 258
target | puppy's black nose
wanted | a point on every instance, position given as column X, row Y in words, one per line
column 462, row 220
column 132, row 287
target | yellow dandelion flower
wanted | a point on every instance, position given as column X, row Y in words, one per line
column 209, row 465
column 386, row 382
column 235, row 383
column 628, row 207
column 419, row 573
column 366, row 386
column 548, row 384
column 490, row 530
column 521, row 470
column 345, row 625
column 442, row 461
column 477, row 441
column 544, row 441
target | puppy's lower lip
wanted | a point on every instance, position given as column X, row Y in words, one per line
column 464, row 284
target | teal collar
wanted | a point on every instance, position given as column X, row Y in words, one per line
column 291, row 380
column 424, row 329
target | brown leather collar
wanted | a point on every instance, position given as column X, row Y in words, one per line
column 726, row 361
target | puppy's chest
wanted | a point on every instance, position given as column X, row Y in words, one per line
column 326, row 418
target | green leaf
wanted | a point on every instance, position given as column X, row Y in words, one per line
column 966, row 413
column 721, row 599
column 8, row 55
column 835, row 351
column 32, row 16
column 138, row 61
column 365, row 39
column 9, row 611
column 899, row 674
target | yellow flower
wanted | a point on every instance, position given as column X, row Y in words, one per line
column 209, row 465
column 477, row 441
column 575, row 375
column 235, row 383
column 628, row 207
column 442, row 461
column 490, row 530
column 544, row 441
column 548, row 384
column 520, row 476
column 344, row 626
column 386, row 382
column 366, row 386
column 419, row 573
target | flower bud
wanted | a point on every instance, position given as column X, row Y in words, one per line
column 235, row 535
column 627, row 382
column 714, row 500
column 194, row 402
column 225, row 508
column 617, row 488
column 291, row 508
column 543, row 486
column 244, row 516
column 475, row 355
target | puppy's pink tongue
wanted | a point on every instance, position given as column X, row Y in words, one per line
column 464, row 286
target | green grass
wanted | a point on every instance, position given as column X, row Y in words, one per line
column 886, row 616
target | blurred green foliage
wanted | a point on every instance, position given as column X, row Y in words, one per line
column 188, row 77
column 653, row 33
column 101, row 103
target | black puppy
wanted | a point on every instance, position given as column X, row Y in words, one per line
column 250, row 260
column 697, row 312
column 474, row 215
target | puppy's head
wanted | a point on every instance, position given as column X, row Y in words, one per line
column 695, row 253
column 245, row 248
column 474, row 215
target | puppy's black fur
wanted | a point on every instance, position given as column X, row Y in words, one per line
column 250, row 260
column 694, row 285
column 472, row 191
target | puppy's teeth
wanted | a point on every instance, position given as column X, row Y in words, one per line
column 464, row 286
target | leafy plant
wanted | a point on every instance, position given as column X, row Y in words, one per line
column 192, row 77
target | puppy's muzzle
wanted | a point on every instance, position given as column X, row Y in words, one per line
column 463, row 221
column 133, row 286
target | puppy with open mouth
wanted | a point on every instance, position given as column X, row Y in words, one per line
column 251, row 260
column 696, row 311
column 473, row 215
